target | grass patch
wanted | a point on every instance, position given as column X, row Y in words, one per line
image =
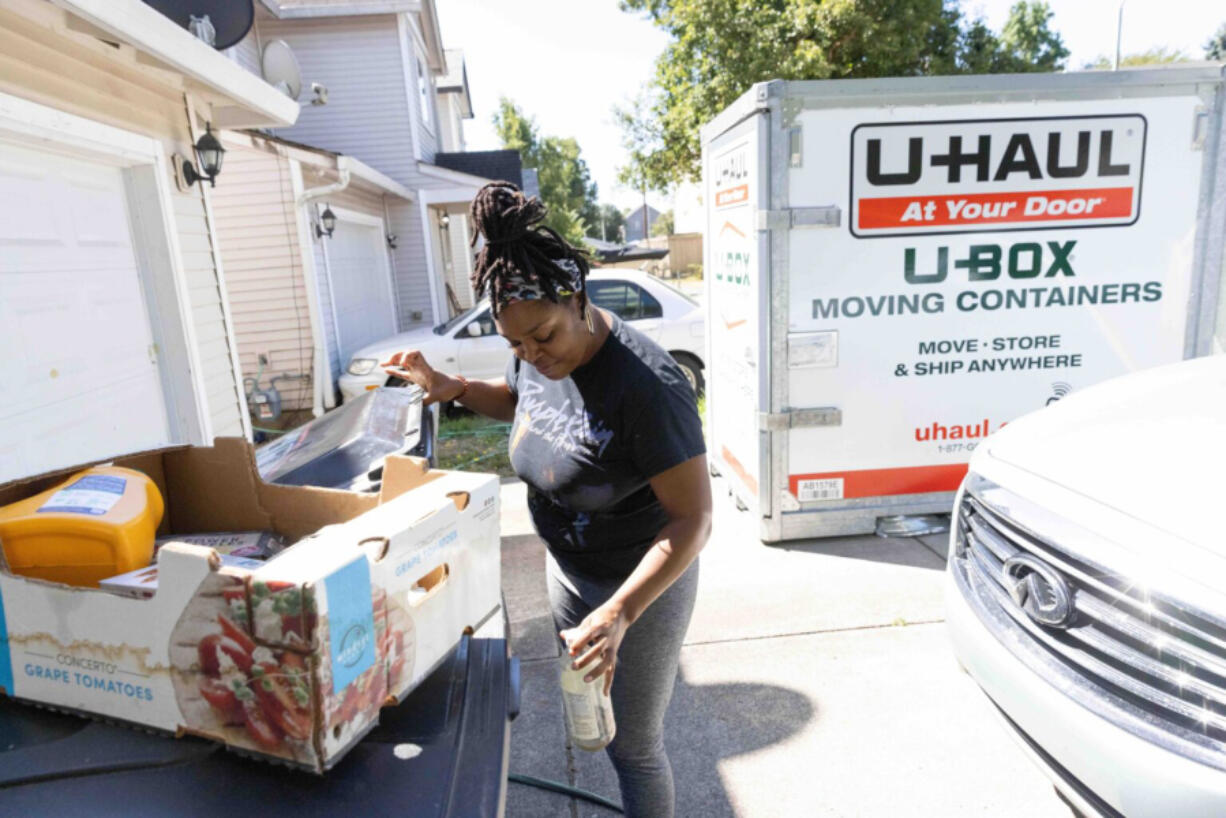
column 471, row 442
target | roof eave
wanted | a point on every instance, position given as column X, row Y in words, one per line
column 363, row 9
column 237, row 98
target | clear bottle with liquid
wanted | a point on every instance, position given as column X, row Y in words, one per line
column 588, row 709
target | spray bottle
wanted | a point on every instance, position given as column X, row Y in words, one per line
column 588, row 709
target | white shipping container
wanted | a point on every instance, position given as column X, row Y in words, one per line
column 896, row 268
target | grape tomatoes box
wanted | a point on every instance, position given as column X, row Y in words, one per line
column 291, row 660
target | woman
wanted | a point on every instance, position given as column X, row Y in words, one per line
column 607, row 437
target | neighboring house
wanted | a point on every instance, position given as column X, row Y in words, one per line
column 396, row 101
column 456, row 257
column 634, row 223
column 114, row 320
column 302, row 302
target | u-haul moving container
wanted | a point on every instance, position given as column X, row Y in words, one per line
column 896, row 268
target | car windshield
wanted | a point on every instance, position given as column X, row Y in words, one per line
column 452, row 323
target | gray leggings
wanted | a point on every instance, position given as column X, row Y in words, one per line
column 642, row 684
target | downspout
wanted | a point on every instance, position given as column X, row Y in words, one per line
column 323, row 388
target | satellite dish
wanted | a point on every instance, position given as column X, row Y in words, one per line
column 280, row 68
column 231, row 19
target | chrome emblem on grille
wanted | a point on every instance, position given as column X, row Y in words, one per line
column 1039, row 590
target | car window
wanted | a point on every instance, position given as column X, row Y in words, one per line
column 627, row 301
column 484, row 321
column 675, row 291
column 454, row 321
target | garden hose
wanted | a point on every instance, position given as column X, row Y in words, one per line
column 565, row 789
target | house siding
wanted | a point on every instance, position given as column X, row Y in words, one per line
column 412, row 271
column 451, row 123
column 367, row 114
column 258, row 236
column 371, row 204
column 427, row 132
column 372, row 116
column 331, row 343
column 247, row 53
column 84, row 80
column 461, row 257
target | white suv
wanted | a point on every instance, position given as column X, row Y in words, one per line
column 1086, row 590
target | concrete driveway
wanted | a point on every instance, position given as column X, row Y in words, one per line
column 816, row 680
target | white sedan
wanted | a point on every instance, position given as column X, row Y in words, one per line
column 469, row 345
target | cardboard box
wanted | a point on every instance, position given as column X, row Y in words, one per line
column 292, row 660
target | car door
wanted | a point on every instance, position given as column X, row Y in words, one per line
column 628, row 301
column 480, row 351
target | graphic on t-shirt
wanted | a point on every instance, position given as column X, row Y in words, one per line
column 566, row 428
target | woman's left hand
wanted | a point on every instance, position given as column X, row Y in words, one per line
column 597, row 637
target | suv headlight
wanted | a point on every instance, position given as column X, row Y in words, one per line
column 362, row 366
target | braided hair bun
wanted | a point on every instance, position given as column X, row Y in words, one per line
column 519, row 246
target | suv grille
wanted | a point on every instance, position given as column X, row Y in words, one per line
column 1147, row 663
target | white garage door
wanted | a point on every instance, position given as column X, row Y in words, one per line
column 361, row 286
column 78, row 378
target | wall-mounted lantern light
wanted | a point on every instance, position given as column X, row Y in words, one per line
column 391, row 240
column 209, row 154
column 444, row 221
column 327, row 224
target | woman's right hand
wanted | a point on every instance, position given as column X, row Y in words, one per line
column 411, row 366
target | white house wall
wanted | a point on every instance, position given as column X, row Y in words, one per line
column 461, row 256
column 326, row 307
column 369, row 64
column 412, row 270
column 80, row 76
column 427, row 131
column 257, row 234
column 247, row 53
column 367, row 115
column 371, row 204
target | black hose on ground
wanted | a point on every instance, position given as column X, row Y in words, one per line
column 565, row 789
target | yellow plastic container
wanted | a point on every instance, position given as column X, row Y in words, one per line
column 98, row 523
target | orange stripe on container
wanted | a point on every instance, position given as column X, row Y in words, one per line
column 886, row 482
column 888, row 212
column 745, row 476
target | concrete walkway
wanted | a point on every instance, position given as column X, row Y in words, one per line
column 816, row 680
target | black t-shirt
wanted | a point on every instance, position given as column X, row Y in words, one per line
column 587, row 445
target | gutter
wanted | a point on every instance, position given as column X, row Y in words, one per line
column 321, row 397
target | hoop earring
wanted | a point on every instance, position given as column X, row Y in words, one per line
column 591, row 329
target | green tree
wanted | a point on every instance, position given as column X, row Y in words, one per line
column 719, row 48
column 1159, row 55
column 566, row 184
column 1027, row 42
column 607, row 223
column 663, row 225
column 1215, row 49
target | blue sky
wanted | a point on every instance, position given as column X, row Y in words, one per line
column 568, row 62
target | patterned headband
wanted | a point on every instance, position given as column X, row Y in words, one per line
column 518, row 288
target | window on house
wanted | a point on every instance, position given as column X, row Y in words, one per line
column 628, row 301
column 423, row 90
